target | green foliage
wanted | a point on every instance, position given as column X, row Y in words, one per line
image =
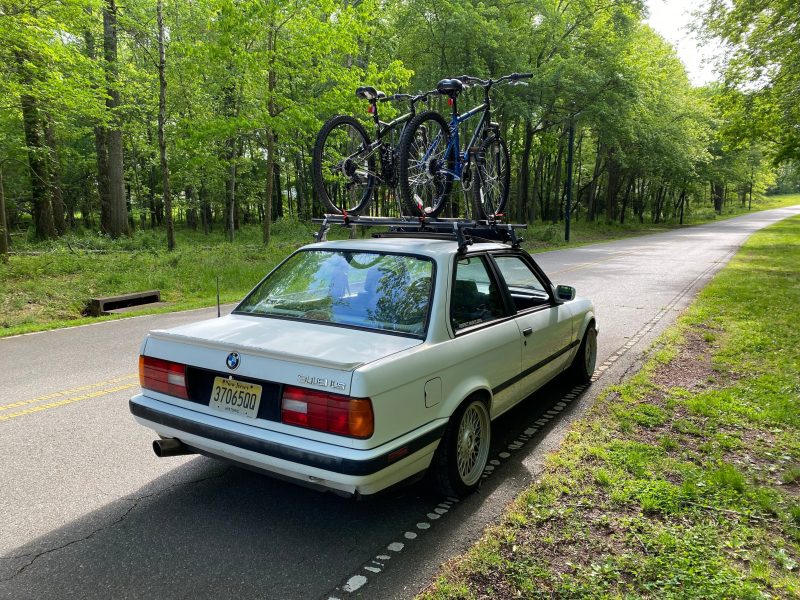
column 762, row 69
column 239, row 74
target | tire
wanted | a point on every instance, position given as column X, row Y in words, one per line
column 343, row 184
column 491, row 179
column 463, row 451
column 424, row 187
column 583, row 364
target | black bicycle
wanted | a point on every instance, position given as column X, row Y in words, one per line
column 430, row 161
column 343, row 164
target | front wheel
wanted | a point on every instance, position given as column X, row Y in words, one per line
column 424, row 163
column 492, row 178
column 464, row 450
column 343, row 166
column 584, row 362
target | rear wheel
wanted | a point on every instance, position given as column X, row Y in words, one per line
column 464, row 450
column 492, row 178
column 424, row 184
column 342, row 166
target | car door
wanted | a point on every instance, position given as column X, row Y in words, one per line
column 545, row 325
column 486, row 336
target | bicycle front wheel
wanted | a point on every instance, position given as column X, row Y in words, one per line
column 343, row 166
column 490, row 187
column 424, row 167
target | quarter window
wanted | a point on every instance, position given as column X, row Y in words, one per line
column 475, row 297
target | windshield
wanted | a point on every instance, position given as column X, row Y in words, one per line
column 365, row 289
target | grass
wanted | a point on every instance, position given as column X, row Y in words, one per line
column 47, row 285
column 683, row 481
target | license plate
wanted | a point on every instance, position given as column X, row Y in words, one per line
column 235, row 397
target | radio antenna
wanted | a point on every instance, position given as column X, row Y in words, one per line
column 218, row 315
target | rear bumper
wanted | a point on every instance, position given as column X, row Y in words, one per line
column 321, row 465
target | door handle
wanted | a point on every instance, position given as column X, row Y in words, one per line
column 527, row 331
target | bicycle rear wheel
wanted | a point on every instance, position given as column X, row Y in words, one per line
column 492, row 179
column 424, row 183
column 342, row 166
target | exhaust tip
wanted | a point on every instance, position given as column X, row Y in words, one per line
column 170, row 447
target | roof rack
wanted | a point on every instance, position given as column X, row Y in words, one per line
column 464, row 231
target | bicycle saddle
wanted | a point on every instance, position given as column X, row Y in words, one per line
column 449, row 86
column 367, row 92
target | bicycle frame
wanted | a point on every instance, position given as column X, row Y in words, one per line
column 382, row 130
column 461, row 159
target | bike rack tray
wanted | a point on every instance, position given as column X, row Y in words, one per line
column 464, row 231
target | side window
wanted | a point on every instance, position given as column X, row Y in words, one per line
column 524, row 287
column 475, row 298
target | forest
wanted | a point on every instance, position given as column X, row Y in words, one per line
column 116, row 117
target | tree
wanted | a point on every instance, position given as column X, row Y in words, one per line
column 162, row 117
column 763, row 63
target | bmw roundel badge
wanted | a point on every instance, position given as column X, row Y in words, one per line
column 232, row 361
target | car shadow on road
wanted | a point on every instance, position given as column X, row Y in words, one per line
column 209, row 530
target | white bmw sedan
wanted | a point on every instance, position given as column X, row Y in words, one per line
column 356, row 365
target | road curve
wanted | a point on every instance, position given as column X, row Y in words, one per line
column 89, row 512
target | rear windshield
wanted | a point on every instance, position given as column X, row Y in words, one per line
column 364, row 289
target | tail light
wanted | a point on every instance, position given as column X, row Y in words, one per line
column 163, row 376
column 327, row 412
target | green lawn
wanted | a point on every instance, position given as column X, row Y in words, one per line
column 683, row 482
column 47, row 285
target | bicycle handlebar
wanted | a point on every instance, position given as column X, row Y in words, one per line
column 469, row 80
column 413, row 98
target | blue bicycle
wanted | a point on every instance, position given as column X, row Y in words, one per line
column 431, row 157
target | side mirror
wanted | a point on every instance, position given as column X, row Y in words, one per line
column 565, row 293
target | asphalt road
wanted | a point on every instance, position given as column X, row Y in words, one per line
column 88, row 511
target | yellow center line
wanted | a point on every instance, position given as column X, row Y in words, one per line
column 66, row 392
column 50, row 405
column 590, row 264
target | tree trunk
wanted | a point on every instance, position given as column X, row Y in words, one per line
column 614, row 183
column 101, row 155
column 117, row 218
column 230, row 189
column 591, row 204
column 301, row 197
column 718, row 193
column 525, row 174
column 537, row 192
column 267, row 231
column 4, row 237
column 626, row 198
column 657, row 204
column 272, row 80
column 42, row 210
column 277, row 194
column 557, row 191
column 202, row 200
column 162, row 117
column 56, row 196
